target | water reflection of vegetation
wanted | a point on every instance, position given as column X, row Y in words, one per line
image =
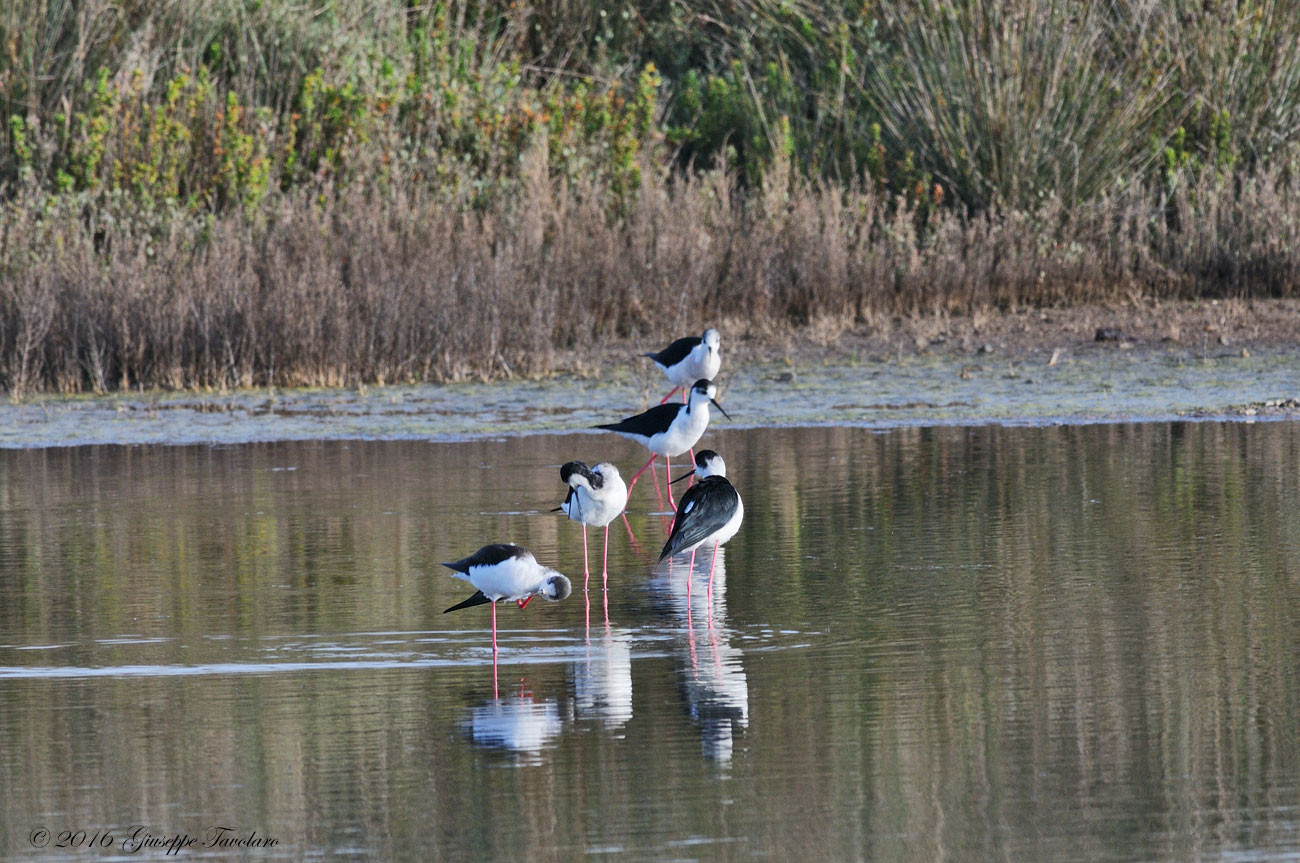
column 1040, row 644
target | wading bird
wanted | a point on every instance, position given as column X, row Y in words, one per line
column 669, row 430
column 507, row 572
column 597, row 495
column 690, row 359
column 710, row 511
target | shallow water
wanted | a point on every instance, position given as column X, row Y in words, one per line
column 1045, row 644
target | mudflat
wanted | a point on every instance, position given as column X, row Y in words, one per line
column 1155, row 362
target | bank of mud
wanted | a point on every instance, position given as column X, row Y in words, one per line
column 1227, row 359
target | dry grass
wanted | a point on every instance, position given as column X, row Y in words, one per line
column 369, row 288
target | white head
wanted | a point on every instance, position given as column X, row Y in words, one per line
column 711, row 339
column 707, row 463
column 609, row 470
column 705, row 390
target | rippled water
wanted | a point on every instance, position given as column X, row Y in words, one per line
column 1047, row 644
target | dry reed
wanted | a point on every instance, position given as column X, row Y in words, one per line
column 364, row 287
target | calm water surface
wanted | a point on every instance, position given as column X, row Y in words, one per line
column 1046, row 644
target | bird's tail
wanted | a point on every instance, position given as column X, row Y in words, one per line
column 477, row 599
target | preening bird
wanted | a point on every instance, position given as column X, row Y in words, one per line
column 597, row 495
column 507, row 572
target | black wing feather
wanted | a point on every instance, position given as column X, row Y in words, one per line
column 651, row 422
column 477, row 599
column 488, row 555
column 715, row 502
column 676, row 352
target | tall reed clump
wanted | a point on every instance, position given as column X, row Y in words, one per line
column 1008, row 103
column 357, row 286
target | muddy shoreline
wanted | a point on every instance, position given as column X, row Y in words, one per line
column 1224, row 360
column 1155, row 328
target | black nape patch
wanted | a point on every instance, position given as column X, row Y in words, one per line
column 594, row 479
column 562, row 587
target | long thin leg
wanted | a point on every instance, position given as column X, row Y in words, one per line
column 690, row 482
column 586, row 569
column 604, row 566
column 668, row 483
column 637, row 475
column 690, row 568
column 659, row 495
column 716, row 545
column 630, row 535
column 494, row 651
column 670, row 395
column 690, row 643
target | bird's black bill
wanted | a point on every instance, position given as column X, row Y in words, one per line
column 682, row 477
column 719, row 407
column 477, row 599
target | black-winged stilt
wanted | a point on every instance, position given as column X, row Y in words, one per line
column 709, row 512
column 690, row 359
column 597, row 495
column 669, row 430
column 507, row 572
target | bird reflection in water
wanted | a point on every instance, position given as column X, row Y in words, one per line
column 519, row 724
column 710, row 674
column 602, row 680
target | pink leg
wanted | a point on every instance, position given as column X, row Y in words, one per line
column 670, row 395
column 586, row 570
column 690, row 643
column 710, row 593
column 668, row 482
column 604, row 566
column 690, row 482
column 494, row 632
column 659, row 495
column 631, row 537
column 637, row 475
